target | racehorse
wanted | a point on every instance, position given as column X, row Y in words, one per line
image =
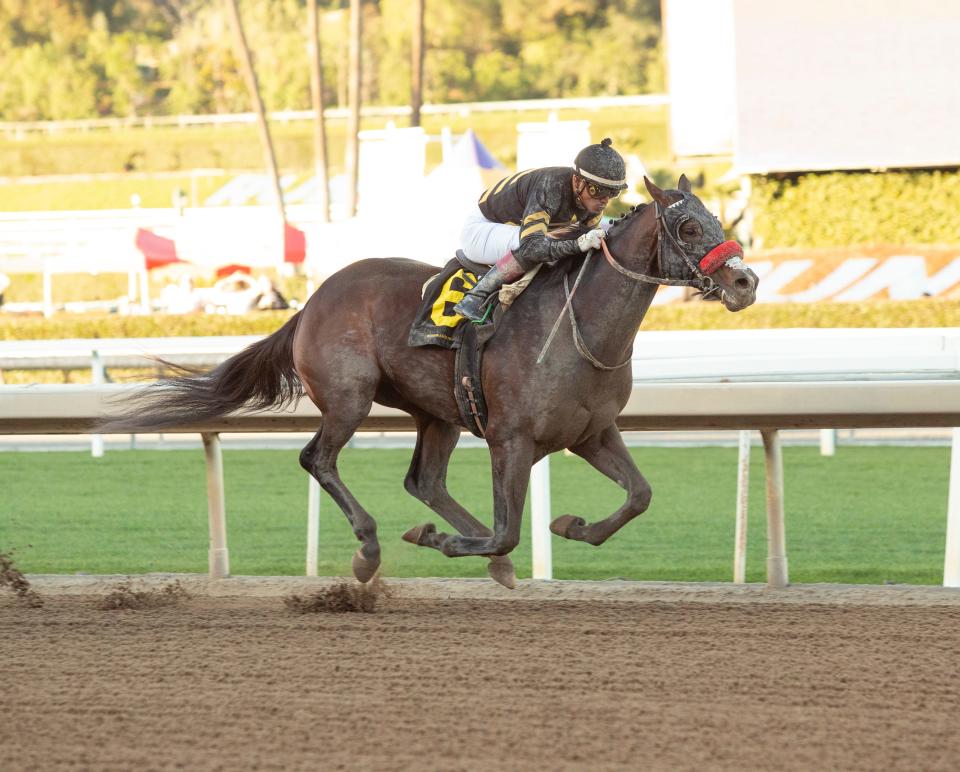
column 347, row 348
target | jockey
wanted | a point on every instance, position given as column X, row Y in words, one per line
column 508, row 230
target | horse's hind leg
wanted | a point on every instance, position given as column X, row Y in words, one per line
column 607, row 453
column 319, row 458
column 427, row 481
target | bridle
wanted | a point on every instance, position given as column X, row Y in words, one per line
column 701, row 280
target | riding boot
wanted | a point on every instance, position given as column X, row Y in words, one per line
column 505, row 270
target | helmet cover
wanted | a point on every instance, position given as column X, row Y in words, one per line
column 602, row 165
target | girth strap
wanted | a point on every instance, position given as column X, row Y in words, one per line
column 467, row 388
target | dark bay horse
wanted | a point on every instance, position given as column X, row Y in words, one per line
column 348, row 348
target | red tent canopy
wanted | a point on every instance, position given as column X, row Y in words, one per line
column 157, row 250
column 294, row 244
column 227, row 270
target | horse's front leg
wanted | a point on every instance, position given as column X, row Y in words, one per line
column 511, row 462
column 607, row 453
column 427, row 481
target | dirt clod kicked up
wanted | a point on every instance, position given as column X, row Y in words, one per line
column 128, row 596
column 11, row 577
column 343, row 597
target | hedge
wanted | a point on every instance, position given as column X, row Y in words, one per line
column 927, row 312
column 155, row 326
column 845, row 209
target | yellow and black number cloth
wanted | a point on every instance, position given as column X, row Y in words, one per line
column 539, row 201
column 436, row 322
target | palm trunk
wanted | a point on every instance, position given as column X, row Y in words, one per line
column 353, row 122
column 250, row 76
column 319, row 126
column 416, row 64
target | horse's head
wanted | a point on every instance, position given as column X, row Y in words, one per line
column 692, row 247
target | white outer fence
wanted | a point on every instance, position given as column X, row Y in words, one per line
column 20, row 128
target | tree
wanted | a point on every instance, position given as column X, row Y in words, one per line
column 102, row 57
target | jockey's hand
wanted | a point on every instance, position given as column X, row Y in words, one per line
column 591, row 240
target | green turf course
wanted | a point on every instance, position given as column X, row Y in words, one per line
column 868, row 515
column 638, row 129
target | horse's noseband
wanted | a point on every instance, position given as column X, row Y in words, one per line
column 671, row 232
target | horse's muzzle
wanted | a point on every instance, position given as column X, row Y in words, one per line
column 738, row 287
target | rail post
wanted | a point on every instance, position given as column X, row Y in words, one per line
column 542, row 557
column 97, row 377
column 313, row 524
column 951, row 560
column 776, row 531
column 743, row 497
column 219, row 558
column 828, row 442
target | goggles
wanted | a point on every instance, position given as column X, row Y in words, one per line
column 600, row 192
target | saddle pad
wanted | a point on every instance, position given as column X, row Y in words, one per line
column 436, row 322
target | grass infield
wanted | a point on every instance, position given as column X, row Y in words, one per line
column 868, row 515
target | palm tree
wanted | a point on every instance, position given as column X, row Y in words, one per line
column 319, row 126
column 250, row 77
column 416, row 64
column 353, row 121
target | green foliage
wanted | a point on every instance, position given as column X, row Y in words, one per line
column 866, row 515
column 846, row 209
column 72, row 60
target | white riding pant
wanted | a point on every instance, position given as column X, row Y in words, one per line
column 486, row 242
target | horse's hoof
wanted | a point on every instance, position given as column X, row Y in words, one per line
column 562, row 525
column 501, row 571
column 419, row 534
column 363, row 568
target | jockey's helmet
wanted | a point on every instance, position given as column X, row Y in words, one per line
column 602, row 165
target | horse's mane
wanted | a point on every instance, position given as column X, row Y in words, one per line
column 571, row 265
column 626, row 216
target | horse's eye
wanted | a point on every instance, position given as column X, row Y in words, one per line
column 691, row 228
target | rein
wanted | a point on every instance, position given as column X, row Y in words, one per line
column 703, row 282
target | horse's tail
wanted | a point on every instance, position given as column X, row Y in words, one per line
column 260, row 376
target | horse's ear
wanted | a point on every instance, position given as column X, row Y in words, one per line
column 684, row 184
column 658, row 195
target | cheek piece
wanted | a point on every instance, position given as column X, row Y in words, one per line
column 727, row 253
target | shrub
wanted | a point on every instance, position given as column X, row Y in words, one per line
column 844, row 209
column 154, row 326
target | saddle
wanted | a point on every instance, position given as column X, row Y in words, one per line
column 436, row 324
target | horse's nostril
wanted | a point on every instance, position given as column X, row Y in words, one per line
column 742, row 283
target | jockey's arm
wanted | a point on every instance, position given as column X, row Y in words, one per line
column 536, row 246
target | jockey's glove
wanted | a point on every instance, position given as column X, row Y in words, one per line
column 591, row 240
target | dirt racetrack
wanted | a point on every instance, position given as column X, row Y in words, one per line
column 467, row 676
